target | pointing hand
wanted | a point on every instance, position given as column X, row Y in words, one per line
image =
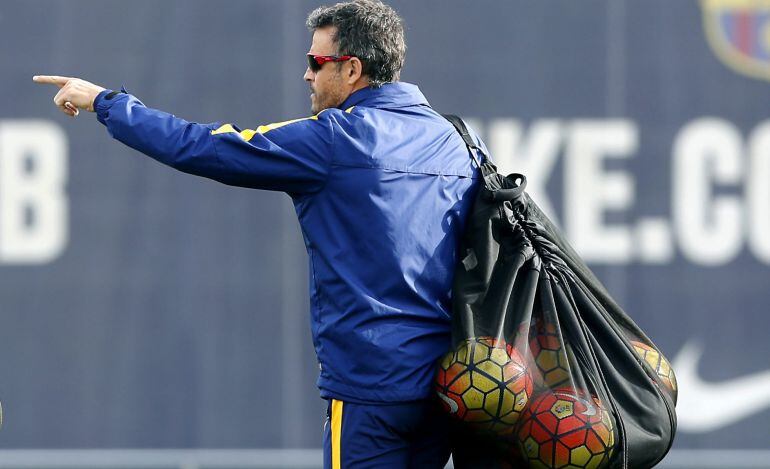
column 74, row 94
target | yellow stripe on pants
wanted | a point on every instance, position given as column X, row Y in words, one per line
column 336, row 433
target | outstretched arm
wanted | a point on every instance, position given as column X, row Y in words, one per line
column 292, row 156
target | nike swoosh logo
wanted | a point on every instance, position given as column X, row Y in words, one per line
column 453, row 407
column 707, row 406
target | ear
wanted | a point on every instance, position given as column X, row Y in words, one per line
column 355, row 70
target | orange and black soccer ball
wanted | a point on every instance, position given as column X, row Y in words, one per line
column 485, row 383
column 566, row 429
column 659, row 365
column 549, row 354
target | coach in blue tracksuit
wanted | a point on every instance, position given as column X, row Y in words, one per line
column 381, row 184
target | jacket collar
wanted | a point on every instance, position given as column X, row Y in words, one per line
column 389, row 95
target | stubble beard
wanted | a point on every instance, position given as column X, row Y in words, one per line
column 314, row 104
column 329, row 99
column 321, row 102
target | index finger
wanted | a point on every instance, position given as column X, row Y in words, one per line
column 51, row 79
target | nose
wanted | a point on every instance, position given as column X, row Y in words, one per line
column 309, row 75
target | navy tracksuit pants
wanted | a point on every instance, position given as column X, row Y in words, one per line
column 407, row 435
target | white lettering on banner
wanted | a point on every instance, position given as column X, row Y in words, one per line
column 711, row 164
column 33, row 204
column 758, row 192
column 709, row 227
column 591, row 190
column 653, row 242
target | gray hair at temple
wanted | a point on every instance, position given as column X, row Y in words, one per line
column 369, row 30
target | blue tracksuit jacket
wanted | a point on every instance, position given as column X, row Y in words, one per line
column 381, row 187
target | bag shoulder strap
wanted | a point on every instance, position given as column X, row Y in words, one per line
column 488, row 169
column 462, row 129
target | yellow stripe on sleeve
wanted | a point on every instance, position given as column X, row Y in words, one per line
column 248, row 134
column 336, row 433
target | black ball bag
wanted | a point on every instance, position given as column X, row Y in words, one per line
column 544, row 361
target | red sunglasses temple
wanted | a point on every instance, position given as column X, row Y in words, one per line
column 316, row 61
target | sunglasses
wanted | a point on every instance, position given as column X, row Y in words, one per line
column 315, row 62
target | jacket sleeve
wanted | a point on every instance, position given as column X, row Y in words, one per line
column 292, row 156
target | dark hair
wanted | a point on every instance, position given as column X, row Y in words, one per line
column 369, row 30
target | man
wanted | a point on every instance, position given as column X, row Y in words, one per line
column 381, row 184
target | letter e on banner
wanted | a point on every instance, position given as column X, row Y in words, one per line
column 591, row 190
column 33, row 205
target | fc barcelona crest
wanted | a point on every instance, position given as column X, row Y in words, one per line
column 739, row 33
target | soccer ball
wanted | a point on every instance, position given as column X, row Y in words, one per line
column 566, row 429
column 548, row 352
column 484, row 382
column 659, row 364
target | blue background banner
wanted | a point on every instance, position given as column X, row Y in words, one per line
column 145, row 308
